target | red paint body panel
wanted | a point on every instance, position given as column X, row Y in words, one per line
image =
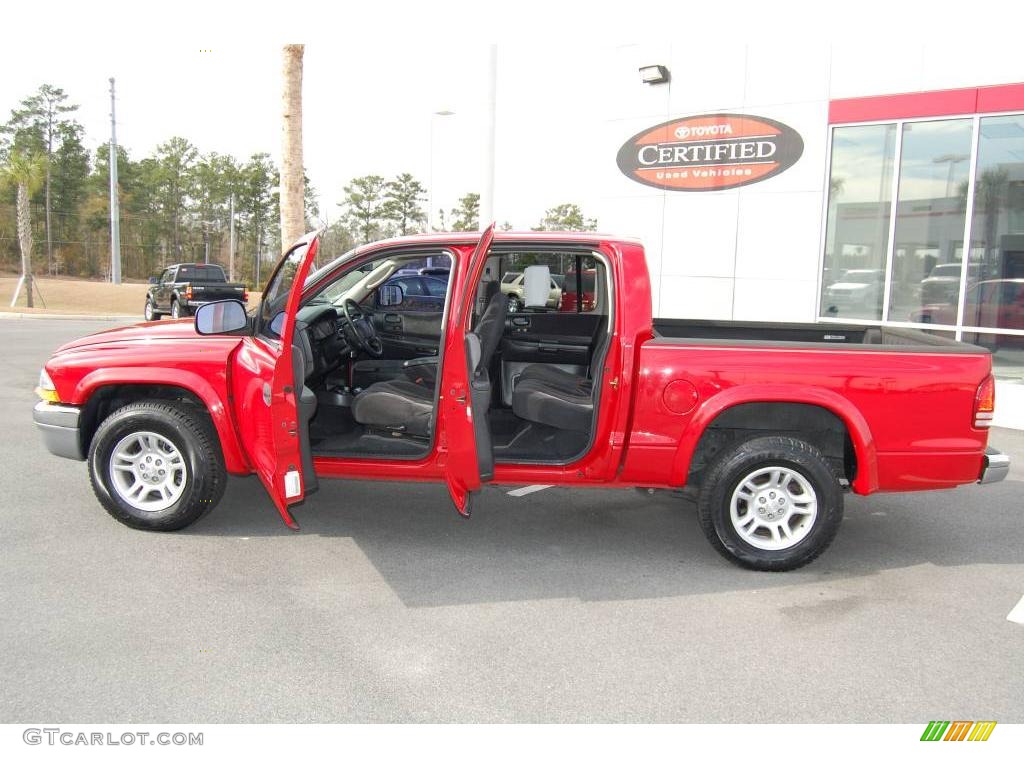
column 165, row 352
column 909, row 413
column 899, row 408
column 959, row 101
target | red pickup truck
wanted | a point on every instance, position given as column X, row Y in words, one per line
column 336, row 376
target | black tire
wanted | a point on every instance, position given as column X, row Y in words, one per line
column 514, row 304
column 728, row 471
column 150, row 312
column 191, row 433
column 176, row 309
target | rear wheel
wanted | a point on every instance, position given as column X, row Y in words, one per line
column 150, row 311
column 175, row 309
column 156, row 465
column 770, row 503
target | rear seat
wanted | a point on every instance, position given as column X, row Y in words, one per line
column 549, row 395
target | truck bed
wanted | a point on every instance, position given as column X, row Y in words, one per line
column 805, row 334
column 911, row 394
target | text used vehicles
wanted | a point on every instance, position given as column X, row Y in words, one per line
column 182, row 288
column 331, row 378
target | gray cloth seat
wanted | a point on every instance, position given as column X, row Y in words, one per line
column 404, row 405
column 397, row 406
column 540, row 402
column 555, row 377
column 548, row 395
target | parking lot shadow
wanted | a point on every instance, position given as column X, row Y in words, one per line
column 605, row 544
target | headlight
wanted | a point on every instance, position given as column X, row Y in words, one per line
column 46, row 390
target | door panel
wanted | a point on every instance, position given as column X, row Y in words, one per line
column 461, row 419
column 269, row 391
column 408, row 334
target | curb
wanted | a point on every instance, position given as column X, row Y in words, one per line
column 52, row 316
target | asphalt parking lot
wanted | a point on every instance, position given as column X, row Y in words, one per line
column 589, row 606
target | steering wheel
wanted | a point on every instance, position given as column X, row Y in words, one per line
column 360, row 329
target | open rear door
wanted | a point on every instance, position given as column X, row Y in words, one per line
column 268, row 385
column 465, row 392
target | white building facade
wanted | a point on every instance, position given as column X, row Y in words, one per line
column 819, row 184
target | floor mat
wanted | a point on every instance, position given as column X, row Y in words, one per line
column 516, row 439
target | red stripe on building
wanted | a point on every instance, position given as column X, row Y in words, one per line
column 959, row 101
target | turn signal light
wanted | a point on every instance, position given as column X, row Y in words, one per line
column 985, row 403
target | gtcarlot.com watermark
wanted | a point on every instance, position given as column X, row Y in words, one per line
column 58, row 736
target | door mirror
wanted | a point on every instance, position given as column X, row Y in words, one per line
column 154, row 280
column 390, row 296
column 221, row 317
column 537, row 285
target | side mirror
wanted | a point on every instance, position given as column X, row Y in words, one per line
column 537, row 285
column 390, row 296
column 221, row 317
column 154, row 281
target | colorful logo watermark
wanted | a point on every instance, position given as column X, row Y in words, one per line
column 958, row 730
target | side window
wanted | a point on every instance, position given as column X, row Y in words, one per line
column 421, row 293
column 436, row 288
column 577, row 282
column 167, row 276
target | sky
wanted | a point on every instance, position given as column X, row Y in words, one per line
column 363, row 112
column 374, row 75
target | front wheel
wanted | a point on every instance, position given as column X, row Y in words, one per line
column 156, row 465
column 770, row 504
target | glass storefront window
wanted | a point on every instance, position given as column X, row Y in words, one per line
column 995, row 297
column 931, row 206
column 857, row 230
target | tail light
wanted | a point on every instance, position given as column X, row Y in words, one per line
column 245, row 295
column 188, row 293
column 985, row 403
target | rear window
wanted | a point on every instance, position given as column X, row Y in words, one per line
column 201, row 273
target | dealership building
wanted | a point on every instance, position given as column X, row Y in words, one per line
column 818, row 184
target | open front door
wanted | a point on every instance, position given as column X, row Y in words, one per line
column 465, row 396
column 268, row 386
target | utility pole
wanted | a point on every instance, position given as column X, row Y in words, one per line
column 115, row 210
column 231, row 242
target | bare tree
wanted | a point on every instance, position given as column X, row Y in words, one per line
column 293, row 218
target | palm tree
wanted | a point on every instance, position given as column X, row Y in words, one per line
column 26, row 171
column 293, row 188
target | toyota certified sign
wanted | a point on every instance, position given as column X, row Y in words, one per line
column 709, row 152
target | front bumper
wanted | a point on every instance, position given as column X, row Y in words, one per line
column 60, row 425
column 995, row 466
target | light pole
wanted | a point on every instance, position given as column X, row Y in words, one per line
column 487, row 189
column 952, row 160
column 430, row 181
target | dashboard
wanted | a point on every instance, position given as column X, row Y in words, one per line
column 319, row 327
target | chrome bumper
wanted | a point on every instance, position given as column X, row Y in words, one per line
column 995, row 466
column 60, row 427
